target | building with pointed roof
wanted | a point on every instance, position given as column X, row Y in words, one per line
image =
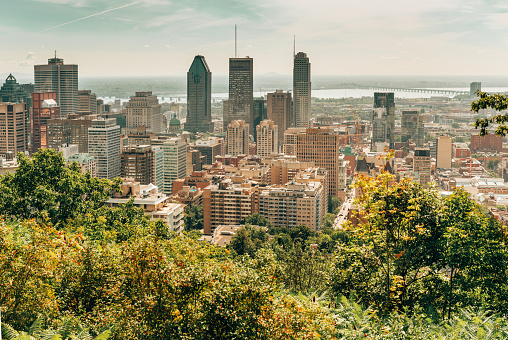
column 12, row 92
column 199, row 97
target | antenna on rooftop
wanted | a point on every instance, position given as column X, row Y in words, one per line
column 55, row 54
column 294, row 45
column 236, row 54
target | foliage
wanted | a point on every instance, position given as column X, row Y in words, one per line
column 334, row 203
column 256, row 219
column 193, row 217
column 497, row 101
column 248, row 240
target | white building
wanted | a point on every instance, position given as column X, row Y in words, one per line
column 174, row 162
column 266, row 138
column 104, row 145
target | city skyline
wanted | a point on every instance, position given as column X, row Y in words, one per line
column 369, row 37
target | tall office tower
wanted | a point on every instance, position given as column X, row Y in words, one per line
column 12, row 92
column 279, row 109
column 159, row 166
column 59, row 133
column 237, row 138
column 144, row 109
column 138, row 162
column 422, row 165
column 44, row 108
column 412, row 127
column 14, row 128
column 444, row 152
column 62, row 79
column 199, row 97
column 322, row 145
column 383, row 119
column 301, row 90
column 473, row 87
column 175, row 162
column 87, row 101
column 259, row 113
column 104, row 145
column 240, row 102
column 266, row 140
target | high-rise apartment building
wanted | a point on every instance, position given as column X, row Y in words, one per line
column 322, row 145
column 412, row 127
column 487, row 143
column 422, row 165
column 104, row 145
column 87, row 101
column 62, row 79
column 444, row 152
column 383, row 119
column 14, row 128
column 259, row 113
column 144, row 109
column 138, row 162
column 199, row 97
column 301, row 90
column 12, row 92
column 44, row 108
column 291, row 139
column 240, row 102
column 279, row 110
column 237, row 138
column 267, row 138
column 175, row 162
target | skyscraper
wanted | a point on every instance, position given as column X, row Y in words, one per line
column 383, row 118
column 237, row 138
column 412, row 127
column 62, row 79
column 473, row 87
column 104, row 145
column 266, row 140
column 240, row 103
column 174, row 163
column 279, row 109
column 422, row 165
column 12, row 92
column 14, row 128
column 199, row 97
column 258, row 113
column 138, row 162
column 87, row 101
column 301, row 90
column 144, row 110
column 44, row 108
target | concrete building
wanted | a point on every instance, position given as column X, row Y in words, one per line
column 188, row 195
column 175, row 162
column 290, row 140
column 199, row 97
column 267, row 138
column 62, row 79
column 144, row 109
column 237, row 138
column 68, row 150
column 322, row 146
column 279, row 110
column 44, row 108
column 383, row 119
column 138, row 163
column 487, row 143
column 86, row 162
column 14, row 128
column 259, row 113
column 422, row 166
column 104, row 145
column 412, row 127
column 444, row 152
column 70, row 130
column 159, row 166
column 87, row 101
column 284, row 169
column 301, row 90
column 240, row 102
column 210, row 147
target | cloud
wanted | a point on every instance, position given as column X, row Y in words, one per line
column 147, row 46
column 29, row 60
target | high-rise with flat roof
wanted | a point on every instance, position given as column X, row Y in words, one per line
column 301, row 90
column 444, row 152
column 208, row 147
column 266, row 138
column 412, row 127
column 104, row 145
column 175, row 162
column 44, row 108
column 60, row 78
column 422, row 165
column 240, row 102
column 144, row 109
column 473, row 87
column 279, row 110
column 383, row 119
column 14, row 128
column 199, row 97
column 87, row 101
column 237, row 138
column 138, row 162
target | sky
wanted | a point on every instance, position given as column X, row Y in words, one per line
column 161, row 37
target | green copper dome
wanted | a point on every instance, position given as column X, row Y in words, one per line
column 174, row 121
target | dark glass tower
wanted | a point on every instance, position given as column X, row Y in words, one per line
column 12, row 92
column 383, row 118
column 199, row 97
column 240, row 104
column 301, row 90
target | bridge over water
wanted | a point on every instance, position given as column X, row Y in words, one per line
column 402, row 89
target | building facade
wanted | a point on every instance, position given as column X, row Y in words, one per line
column 444, row 152
column 279, row 110
column 12, row 92
column 175, row 162
column 412, row 127
column 138, row 162
column 237, row 138
column 199, row 97
column 422, row 165
column 62, row 79
column 383, row 119
column 144, row 109
column 87, row 101
column 14, row 129
column 301, row 90
column 44, row 108
column 104, row 145
column 210, row 147
column 266, row 138
column 240, row 102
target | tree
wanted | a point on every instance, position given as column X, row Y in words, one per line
column 193, row 217
column 496, row 101
column 328, row 221
column 333, row 204
column 248, row 240
column 256, row 219
column 455, row 125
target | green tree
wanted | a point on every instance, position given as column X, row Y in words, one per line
column 333, row 204
column 328, row 221
column 248, row 240
column 256, row 219
column 499, row 102
column 455, row 125
column 193, row 217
